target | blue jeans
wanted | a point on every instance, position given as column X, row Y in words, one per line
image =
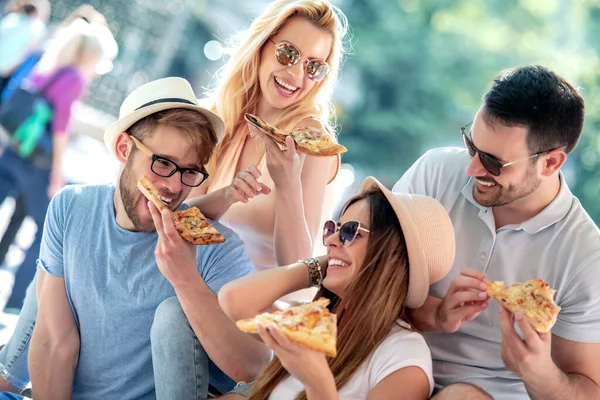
column 20, row 178
column 13, row 356
column 182, row 369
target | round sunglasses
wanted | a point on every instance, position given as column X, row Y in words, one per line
column 489, row 162
column 287, row 54
column 348, row 231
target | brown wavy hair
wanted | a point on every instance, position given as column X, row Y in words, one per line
column 372, row 303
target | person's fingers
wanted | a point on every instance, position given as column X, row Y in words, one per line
column 169, row 225
column 254, row 171
column 251, row 180
column 157, row 218
column 463, row 282
column 242, row 186
column 280, row 338
column 473, row 273
column 265, row 189
column 267, row 338
column 509, row 335
column 465, row 297
column 532, row 338
column 467, row 313
column 291, row 148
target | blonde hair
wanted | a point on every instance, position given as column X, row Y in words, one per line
column 238, row 89
column 372, row 303
column 75, row 43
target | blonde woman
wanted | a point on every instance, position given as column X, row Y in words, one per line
column 63, row 75
column 283, row 71
column 382, row 255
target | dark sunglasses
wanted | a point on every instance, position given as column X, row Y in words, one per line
column 489, row 162
column 165, row 168
column 287, row 54
column 348, row 231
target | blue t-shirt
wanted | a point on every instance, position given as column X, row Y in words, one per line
column 114, row 287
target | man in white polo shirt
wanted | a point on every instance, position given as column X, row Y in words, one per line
column 515, row 219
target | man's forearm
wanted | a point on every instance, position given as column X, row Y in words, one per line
column 52, row 369
column 236, row 353
column 424, row 317
column 558, row 386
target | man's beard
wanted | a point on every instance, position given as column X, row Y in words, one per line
column 502, row 196
column 130, row 196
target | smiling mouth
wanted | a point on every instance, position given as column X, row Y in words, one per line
column 285, row 87
column 338, row 263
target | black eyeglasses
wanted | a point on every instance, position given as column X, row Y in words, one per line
column 489, row 162
column 288, row 54
column 165, row 168
column 348, row 231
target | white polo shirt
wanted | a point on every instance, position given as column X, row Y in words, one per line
column 561, row 245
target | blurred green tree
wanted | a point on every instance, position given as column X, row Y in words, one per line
column 419, row 68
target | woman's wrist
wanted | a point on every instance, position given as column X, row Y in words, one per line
column 316, row 270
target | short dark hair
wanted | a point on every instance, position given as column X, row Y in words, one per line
column 536, row 98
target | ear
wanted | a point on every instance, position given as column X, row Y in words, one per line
column 123, row 147
column 553, row 161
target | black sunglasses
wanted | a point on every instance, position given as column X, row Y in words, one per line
column 348, row 231
column 489, row 162
column 165, row 168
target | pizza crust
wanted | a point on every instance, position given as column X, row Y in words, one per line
column 190, row 223
column 309, row 325
column 151, row 193
column 533, row 299
column 309, row 140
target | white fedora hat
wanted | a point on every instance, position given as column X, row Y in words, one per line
column 429, row 237
column 155, row 96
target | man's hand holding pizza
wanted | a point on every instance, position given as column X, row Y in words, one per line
column 530, row 358
column 465, row 300
column 175, row 256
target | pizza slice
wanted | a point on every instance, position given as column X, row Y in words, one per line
column 309, row 140
column 195, row 228
column 190, row 223
column 533, row 299
column 309, row 325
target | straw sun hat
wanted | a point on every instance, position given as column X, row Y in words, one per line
column 429, row 239
column 152, row 97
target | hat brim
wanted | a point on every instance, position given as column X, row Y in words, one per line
column 418, row 280
column 112, row 132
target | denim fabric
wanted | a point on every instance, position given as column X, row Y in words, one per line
column 182, row 369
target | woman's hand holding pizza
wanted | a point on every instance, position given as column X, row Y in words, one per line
column 285, row 166
column 308, row 366
column 176, row 257
column 465, row 300
column 246, row 186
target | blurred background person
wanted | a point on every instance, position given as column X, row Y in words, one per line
column 21, row 29
column 64, row 71
column 85, row 12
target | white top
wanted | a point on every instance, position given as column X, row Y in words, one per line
column 401, row 348
column 560, row 245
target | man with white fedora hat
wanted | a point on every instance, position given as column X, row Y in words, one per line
column 115, row 281
column 515, row 219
